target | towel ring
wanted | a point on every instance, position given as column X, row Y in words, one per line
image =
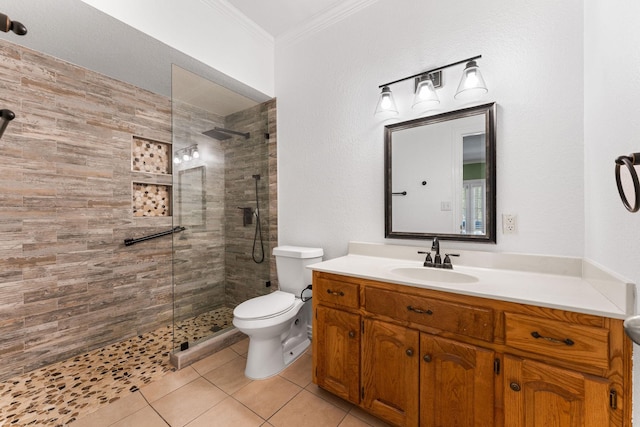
column 629, row 161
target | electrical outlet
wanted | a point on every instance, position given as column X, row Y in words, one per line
column 509, row 225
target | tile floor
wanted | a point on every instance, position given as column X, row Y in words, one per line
column 215, row 392
column 62, row 392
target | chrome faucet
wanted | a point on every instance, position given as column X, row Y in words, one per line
column 435, row 246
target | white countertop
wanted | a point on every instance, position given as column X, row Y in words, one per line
column 585, row 290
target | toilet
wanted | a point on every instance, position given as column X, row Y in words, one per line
column 277, row 324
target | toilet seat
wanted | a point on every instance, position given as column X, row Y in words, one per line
column 265, row 306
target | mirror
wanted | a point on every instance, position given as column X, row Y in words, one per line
column 440, row 176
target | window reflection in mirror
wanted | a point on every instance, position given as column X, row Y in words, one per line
column 440, row 176
column 474, row 165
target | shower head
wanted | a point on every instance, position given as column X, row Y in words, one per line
column 221, row 133
column 7, row 25
column 216, row 135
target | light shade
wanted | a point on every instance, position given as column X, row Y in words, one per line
column 386, row 105
column 471, row 84
column 425, row 94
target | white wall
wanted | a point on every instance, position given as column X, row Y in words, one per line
column 210, row 31
column 330, row 146
column 612, row 128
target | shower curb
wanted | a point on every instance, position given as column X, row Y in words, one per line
column 182, row 359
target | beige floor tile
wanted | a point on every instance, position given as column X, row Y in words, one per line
column 113, row 412
column 214, row 361
column 188, row 402
column 351, row 421
column 367, row 418
column 265, row 397
column 229, row 412
column 331, row 398
column 229, row 377
column 241, row 347
column 169, row 383
column 146, row 417
column 307, row 409
column 299, row 372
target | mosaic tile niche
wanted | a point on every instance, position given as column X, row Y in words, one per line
column 150, row 156
column 151, row 200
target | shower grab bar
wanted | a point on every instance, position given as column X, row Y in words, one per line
column 5, row 117
column 129, row 242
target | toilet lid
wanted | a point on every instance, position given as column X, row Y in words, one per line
column 264, row 306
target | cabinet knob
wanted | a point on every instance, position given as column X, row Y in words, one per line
column 514, row 386
column 409, row 352
column 335, row 293
column 427, row 358
column 352, row 334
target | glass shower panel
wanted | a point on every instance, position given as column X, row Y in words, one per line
column 220, row 163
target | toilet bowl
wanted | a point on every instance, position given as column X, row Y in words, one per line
column 277, row 323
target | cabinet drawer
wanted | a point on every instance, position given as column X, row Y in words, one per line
column 586, row 345
column 476, row 322
column 337, row 292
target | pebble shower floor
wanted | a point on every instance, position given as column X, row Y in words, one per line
column 60, row 393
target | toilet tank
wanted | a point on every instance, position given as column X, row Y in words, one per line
column 291, row 262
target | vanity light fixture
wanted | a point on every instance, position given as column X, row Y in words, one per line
column 426, row 91
column 186, row 154
column 471, row 85
column 386, row 105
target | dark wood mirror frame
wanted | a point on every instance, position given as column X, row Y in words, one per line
column 489, row 112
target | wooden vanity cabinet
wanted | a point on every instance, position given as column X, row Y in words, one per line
column 418, row 357
column 390, row 372
column 538, row 394
column 337, row 352
column 336, row 337
column 456, row 383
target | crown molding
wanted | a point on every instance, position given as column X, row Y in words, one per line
column 323, row 20
column 227, row 9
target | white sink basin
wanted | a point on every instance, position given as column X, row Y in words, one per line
column 433, row 275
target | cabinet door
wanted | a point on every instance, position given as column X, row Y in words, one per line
column 456, row 384
column 336, row 349
column 536, row 395
column 390, row 377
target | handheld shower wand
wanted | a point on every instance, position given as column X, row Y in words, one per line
column 6, row 116
column 7, row 25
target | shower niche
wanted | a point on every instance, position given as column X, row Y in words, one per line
column 152, row 193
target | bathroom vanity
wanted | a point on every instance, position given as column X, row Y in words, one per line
column 523, row 341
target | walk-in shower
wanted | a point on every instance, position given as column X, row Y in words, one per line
column 217, row 259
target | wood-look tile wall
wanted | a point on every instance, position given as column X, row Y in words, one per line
column 67, row 282
column 244, row 158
